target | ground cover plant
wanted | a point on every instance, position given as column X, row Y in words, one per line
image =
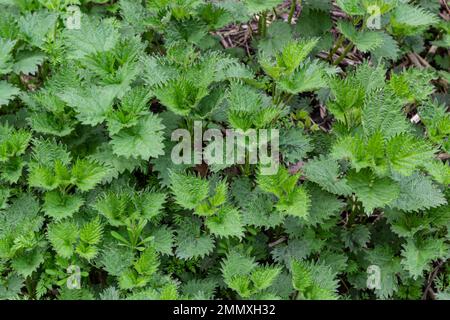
column 92, row 205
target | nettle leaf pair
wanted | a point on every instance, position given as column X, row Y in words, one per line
column 291, row 70
column 248, row 278
column 141, row 271
column 135, row 217
column 208, row 200
column 314, row 281
column 119, row 207
column 292, row 199
column 249, row 108
column 53, row 170
column 67, row 238
column 22, row 246
column 13, row 144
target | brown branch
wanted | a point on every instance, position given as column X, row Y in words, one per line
column 277, row 242
column 431, row 278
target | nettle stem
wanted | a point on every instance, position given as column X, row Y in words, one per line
column 262, row 24
column 292, row 11
column 344, row 54
column 338, row 44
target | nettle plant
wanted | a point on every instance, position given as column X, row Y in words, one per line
column 93, row 207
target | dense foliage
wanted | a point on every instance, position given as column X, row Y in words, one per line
column 88, row 188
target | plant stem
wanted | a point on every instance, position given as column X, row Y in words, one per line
column 338, row 44
column 29, row 286
column 292, row 11
column 344, row 54
column 262, row 24
column 352, row 217
column 289, row 98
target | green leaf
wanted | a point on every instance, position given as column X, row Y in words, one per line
column 226, row 223
column 406, row 153
column 58, row 205
column 29, row 62
column 11, row 286
column 363, row 153
column 35, row 26
column 356, row 238
column 352, row 7
column 151, row 204
column 132, row 107
column 413, row 85
column 324, row 206
column 385, row 258
column 263, row 277
column 116, row 259
column 191, row 241
column 418, row 255
column 94, row 36
column 382, row 112
column 389, row 49
column 236, row 264
column 372, row 191
column 309, row 77
column 6, row 58
column 189, row 190
column 86, row 174
column 296, row 204
column 115, row 206
column 314, row 281
column 417, row 192
column 181, row 95
column 313, row 23
column 364, row 40
column 277, row 36
column 91, row 233
column 148, row 262
column 256, row 206
column 249, row 108
column 28, row 262
column 142, row 141
column 12, row 170
column 63, row 237
column 440, row 171
column 301, row 277
column 114, row 165
column 295, row 52
column 200, row 288
column 326, row 173
column 47, row 152
column 164, row 239
column 91, row 104
column 7, row 92
column 294, row 145
column 281, row 184
column 408, row 20
column 13, row 142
